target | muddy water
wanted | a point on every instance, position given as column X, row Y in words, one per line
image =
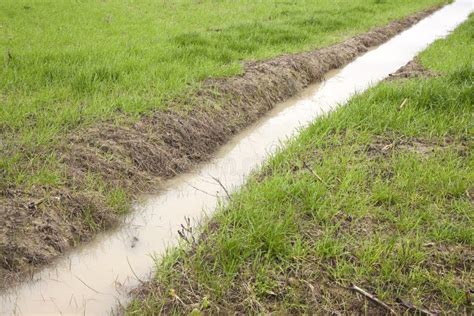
column 94, row 280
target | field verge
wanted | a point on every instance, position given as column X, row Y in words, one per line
column 103, row 166
column 375, row 196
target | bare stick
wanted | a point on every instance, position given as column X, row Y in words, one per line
column 403, row 103
column 222, row 186
column 133, row 271
column 314, row 173
column 87, row 285
column 372, row 298
column 197, row 189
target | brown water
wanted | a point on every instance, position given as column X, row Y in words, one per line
column 96, row 278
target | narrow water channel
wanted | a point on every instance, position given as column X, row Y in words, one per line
column 96, row 278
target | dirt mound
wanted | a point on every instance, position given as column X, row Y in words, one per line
column 36, row 230
column 157, row 147
column 414, row 69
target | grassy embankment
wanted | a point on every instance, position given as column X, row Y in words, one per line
column 71, row 64
column 376, row 195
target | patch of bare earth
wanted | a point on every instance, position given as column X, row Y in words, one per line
column 157, row 147
column 414, row 69
column 384, row 145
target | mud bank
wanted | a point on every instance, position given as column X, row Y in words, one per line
column 414, row 69
column 43, row 223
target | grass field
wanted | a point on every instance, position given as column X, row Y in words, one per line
column 393, row 213
column 70, row 64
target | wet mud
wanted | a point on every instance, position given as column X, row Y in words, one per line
column 414, row 69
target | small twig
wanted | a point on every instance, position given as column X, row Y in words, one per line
column 469, row 194
column 34, row 204
column 372, row 298
column 387, row 147
column 133, row 271
column 403, row 103
column 410, row 306
column 314, row 174
column 222, row 186
column 197, row 189
column 311, row 287
column 57, row 307
column 88, row 285
column 173, row 294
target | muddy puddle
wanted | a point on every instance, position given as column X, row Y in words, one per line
column 96, row 278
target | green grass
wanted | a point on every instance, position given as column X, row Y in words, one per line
column 70, row 64
column 396, row 221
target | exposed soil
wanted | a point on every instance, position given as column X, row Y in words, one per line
column 384, row 146
column 414, row 69
column 41, row 224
